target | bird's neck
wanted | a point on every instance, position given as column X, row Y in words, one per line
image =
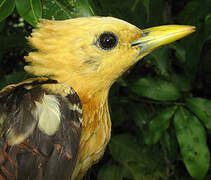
column 96, row 131
column 94, row 105
column 93, row 97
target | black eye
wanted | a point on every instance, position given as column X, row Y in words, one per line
column 107, row 40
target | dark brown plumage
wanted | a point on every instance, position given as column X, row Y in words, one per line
column 39, row 155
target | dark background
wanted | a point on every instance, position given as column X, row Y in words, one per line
column 160, row 109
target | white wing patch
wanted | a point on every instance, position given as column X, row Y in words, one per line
column 48, row 114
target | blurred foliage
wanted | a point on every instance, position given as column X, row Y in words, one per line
column 160, row 109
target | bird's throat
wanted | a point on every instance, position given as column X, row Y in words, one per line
column 96, row 131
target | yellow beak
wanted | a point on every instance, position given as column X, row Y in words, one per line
column 157, row 36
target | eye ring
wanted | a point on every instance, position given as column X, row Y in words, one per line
column 107, row 40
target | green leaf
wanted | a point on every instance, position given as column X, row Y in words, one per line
column 2, row 25
column 140, row 113
column 124, row 148
column 159, row 124
column 193, row 53
column 58, row 10
column 139, row 172
column 170, row 146
column 202, row 108
column 6, row 8
column 30, row 10
column 146, row 4
column 64, row 9
column 186, row 15
column 156, row 89
column 118, row 113
column 127, row 10
column 192, row 140
column 84, row 8
column 181, row 82
column 156, row 12
column 179, row 51
column 111, row 172
column 194, row 12
column 141, row 162
column 208, row 27
column 160, row 58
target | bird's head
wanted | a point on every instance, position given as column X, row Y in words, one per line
column 90, row 53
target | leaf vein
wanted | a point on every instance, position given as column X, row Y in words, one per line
column 2, row 3
column 62, row 8
column 33, row 11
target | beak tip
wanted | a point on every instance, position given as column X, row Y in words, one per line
column 165, row 34
column 155, row 37
column 191, row 28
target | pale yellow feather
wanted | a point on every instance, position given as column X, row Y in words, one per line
column 48, row 114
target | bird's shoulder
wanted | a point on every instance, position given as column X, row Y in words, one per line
column 40, row 120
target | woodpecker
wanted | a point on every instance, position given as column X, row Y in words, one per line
column 57, row 125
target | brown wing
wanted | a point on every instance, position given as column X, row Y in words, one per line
column 40, row 128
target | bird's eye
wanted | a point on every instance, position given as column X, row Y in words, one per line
column 107, row 40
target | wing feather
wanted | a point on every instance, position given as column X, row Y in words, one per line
column 40, row 122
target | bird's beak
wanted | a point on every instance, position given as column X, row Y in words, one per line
column 160, row 35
